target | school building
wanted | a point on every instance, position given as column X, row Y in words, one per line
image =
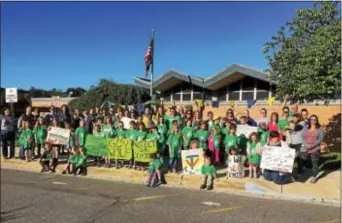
column 234, row 83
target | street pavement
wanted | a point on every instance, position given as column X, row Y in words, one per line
column 46, row 197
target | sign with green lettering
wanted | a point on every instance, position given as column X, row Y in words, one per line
column 143, row 150
column 120, row 148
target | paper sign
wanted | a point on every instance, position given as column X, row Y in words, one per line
column 192, row 161
column 58, row 136
column 143, row 150
column 236, row 164
column 126, row 122
column 120, row 148
column 11, row 95
column 245, row 130
column 96, row 146
column 277, row 159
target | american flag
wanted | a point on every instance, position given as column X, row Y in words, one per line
column 148, row 57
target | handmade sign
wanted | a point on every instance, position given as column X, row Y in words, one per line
column 96, row 146
column 58, row 136
column 120, row 148
column 236, row 166
column 277, row 159
column 245, row 130
column 192, row 161
column 126, row 122
column 143, row 149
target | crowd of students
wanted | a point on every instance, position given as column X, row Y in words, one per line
column 174, row 130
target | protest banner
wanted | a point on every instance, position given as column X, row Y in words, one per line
column 120, row 148
column 143, row 150
column 58, row 136
column 96, row 146
column 245, row 130
column 126, row 122
column 192, row 161
column 277, row 159
column 236, row 166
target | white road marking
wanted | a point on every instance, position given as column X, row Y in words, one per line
column 210, row 203
column 59, row 183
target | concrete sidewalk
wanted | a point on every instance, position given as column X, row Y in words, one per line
column 325, row 191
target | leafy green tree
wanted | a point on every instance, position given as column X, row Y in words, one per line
column 304, row 56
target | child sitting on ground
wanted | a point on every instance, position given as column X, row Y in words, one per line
column 48, row 160
column 71, row 161
column 154, row 177
column 80, row 166
column 208, row 172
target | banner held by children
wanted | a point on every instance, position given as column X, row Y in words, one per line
column 58, row 136
column 245, row 130
column 96, row 146
column 278, row 159
column 120, row 148
column 143, row 150
column 236, row 166
column 192, row 161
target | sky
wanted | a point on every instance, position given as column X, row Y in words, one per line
column 74, row 44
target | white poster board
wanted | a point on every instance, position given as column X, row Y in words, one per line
column 245, row 130
column 236, row 164
column 126, row 122
column 11, row 95
column 277, row 159
column 192, row 161
column 58, row 136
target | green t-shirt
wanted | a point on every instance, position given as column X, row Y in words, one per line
column 107, row 131
column 40, row 133
column 196, row 124
column 202, row 137
column 152, row 136
column 155, row 164
column 216, row 141
column 81, row 134
column 170, row 119
column 282, row 124
column 208, row 170
column 210, row 124
column 47, row 155
column 264, row 135
column 25, row 136
column 98, row 134
column 188, row 135
column 231, row 141
column 130, row 134
column 175, row 143
column 253, row 156
column 120, row 133
column 71, row 139
column 225, row 132
column 242, row 142
column 291, row 113
column 140, row 135
column 217, row 126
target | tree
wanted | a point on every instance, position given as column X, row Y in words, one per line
column 304, row 56
column 76, row 92
column 108, row 90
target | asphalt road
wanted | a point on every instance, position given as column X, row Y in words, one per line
column 45, row 197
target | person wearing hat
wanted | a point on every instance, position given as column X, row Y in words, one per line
column 202, row 136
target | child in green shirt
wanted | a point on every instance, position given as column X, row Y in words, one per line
column 131, row 134
column 283, row 123
column 107, row 129
column 26, row 140
column 40, row 132
column 253, row 154
column 208, row 172
column 162, row 131
column 97, row 133
column 154, row 177
column 225, row 131
column 188, row 134
column 175, row 144
column 264, row 134
column 231, row 140
column 48, row 160
column 120, row 131
column 202, row 136
column 140, row 136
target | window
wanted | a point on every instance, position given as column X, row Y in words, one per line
column 234, row 96
column 197, row 96
column 262, row 85
column 248, row 84
column 262, row 95
column 176, row 97
column 186, row 97
column 247, row 96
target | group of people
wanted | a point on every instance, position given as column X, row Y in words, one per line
column 174, row 130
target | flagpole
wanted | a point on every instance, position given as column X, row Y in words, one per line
column 152, row 68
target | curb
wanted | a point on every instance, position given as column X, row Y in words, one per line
column 269, row 195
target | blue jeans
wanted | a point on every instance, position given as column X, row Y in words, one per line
column 21, row 152
column 276, row 178
column 173, row 163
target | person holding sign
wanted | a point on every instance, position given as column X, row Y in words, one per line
column 188, row 133
column 26, row 140
column 276, row 176
column 202, row 136
column 208, row 172
column 107, row 131
column 98, row 134
column 131, row 134
column 175, row 144
column 140, row 136
column 253, row 154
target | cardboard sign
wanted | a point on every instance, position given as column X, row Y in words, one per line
column 143, row 150
column 192, row 161
column 120, row 148
column 58, row 136
column 11, row 95
column 236, row 164
column 126, row 122
column 278, row 159
column 96, row 146
column 245, row 130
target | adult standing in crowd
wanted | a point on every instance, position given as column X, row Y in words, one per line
column 88, row 124
column 250, row 121
column 65, row 115
column 27, row 116
column 7, row 134
column 35, row 116
column 312, row 136
column 76, row 118
column 305, row 116
column 51, row 115
column 231, row 117
column 263, row 117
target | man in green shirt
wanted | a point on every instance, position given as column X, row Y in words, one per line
column 208, row 172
